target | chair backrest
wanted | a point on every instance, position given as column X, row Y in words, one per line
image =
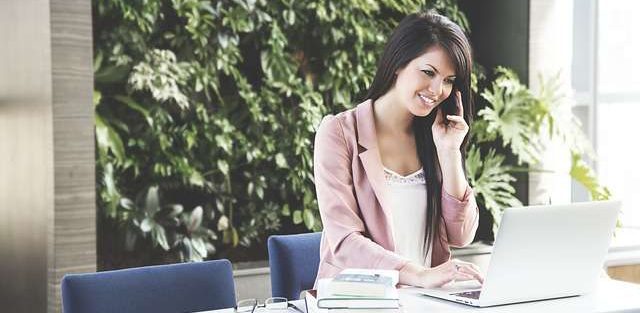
column 185, row 287
column 294, row 261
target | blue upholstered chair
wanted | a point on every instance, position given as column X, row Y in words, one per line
column 294, row 261
column 185, row 287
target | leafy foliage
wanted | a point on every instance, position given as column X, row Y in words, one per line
column 583, row 173
column 211, row 106
column 521, row 121
column 491, row 179
column 514, row 115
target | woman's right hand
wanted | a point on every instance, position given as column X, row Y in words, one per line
column 452, row 270
column 416, row 275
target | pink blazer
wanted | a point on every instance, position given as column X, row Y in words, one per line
column 350, row 185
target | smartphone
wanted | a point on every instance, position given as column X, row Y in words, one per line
column 449, row 105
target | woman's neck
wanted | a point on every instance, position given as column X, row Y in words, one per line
column 391, row 117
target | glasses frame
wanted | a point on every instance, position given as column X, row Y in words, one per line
column 271, row 303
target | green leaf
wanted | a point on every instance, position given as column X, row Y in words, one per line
column 187, row 248
column 235, row 237
column 260, row 192
column 230, row 236
column 297, row 217
column 223, row 223
column 160, row 236
column 152, row 201
column 147, row 225
column 97, row 96
column 108, row 140
column 175, row 210
column 136, row 107
column 285, row 210
column 109, row 192
column 281, row 161
column 223, row 166
column 196, row 179
column 97, row 63
column 195, row 219
column 127, row 204
column 584, row 174
column 199, row 247
column 309, row 219
column 111, row 74
column 290, row 17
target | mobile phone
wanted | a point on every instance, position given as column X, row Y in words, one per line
column 449, row 106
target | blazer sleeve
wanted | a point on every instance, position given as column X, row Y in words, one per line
column 339, row 209
column 460, row 218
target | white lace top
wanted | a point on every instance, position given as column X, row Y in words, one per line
column 408, row 200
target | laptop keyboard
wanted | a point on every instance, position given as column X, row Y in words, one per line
column 469, row 294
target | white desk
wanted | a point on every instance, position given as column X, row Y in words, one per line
column 611, row 296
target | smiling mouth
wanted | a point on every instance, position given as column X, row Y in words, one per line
column 426, row 100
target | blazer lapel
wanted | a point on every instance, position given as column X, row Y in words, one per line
column 373, row 167
column 370, row 157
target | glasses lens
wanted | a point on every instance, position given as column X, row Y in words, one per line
column 276, row 303
column 247, row 305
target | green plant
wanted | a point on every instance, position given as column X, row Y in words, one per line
column 520, row 121
column 169, row 226
column 214, row 104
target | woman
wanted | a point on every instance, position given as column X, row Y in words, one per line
column 389, row 173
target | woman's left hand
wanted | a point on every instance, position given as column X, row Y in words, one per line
column 448, row 134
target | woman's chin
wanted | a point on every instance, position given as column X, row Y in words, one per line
column 421, row 110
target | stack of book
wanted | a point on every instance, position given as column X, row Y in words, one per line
column 355, row 290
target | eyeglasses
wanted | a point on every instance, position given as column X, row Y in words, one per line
column 273, row 303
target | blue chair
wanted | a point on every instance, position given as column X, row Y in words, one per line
column 185, row 287
column 294, row 261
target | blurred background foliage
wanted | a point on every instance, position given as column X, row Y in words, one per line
column 206, row 113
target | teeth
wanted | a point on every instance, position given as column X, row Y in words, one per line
column 427, row 100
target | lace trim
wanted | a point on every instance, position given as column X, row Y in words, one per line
column 415, row 178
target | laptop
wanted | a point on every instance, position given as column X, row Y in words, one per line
column 541, row 252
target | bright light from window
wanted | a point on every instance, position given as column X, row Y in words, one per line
column 619, row 103
column 618, row 47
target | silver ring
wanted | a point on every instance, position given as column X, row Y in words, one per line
column 457, row 267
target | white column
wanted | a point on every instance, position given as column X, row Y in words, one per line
column 550, row 52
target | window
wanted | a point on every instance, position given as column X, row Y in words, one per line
column 606, row 79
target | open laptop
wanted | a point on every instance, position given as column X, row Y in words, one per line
column 541, row 252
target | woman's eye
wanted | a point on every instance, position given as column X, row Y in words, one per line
column 449, row 81
column 428, row 73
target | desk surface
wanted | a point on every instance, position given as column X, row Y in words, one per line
column 611, row 296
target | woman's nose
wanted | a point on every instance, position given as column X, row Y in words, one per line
column 435, row 87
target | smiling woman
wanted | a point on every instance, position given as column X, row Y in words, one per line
column 413, row 129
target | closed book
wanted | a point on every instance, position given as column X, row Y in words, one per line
column 326, row 300
column 311, row 303
column 362, row 285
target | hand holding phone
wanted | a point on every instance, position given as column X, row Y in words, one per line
column 449, row 127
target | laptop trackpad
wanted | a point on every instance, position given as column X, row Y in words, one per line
column 460, row 286
column 453, row 288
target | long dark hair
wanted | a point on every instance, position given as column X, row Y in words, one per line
column 411, row 38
